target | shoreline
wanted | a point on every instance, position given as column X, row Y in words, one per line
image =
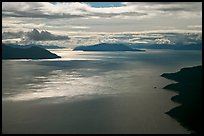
column 189, row 89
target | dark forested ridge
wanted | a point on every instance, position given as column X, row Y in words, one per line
column 189, row 87
column 32, row 52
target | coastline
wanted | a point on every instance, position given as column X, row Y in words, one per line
column 189, row 89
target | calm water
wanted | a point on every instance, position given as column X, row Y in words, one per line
column 92, row 92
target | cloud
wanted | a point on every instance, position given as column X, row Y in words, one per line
column 65, row 17
column 84, row 10
column 138, row 38
column 65, row 10
column 41, row 10
column 183, row 9
column 12, row 35
column 163, row 41
column 167, row 6
column 152, row 38
column 22, row 25
column 195, row 26
column 44, row 36
column 79, row 27
column 34, row 35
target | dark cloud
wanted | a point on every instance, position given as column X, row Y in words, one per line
column 54, row 16
column 37, row 15
column 175, row 9
column 117, row 14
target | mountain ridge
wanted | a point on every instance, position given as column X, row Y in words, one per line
column 106, row 47
column 32, row 52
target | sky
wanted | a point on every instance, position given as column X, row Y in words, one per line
column 82, row 19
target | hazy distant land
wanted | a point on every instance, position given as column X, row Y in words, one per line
column 189, row 87
column 197, row 46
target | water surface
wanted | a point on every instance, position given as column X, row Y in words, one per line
column 92, row 92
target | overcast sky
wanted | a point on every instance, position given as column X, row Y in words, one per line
column 63, row 17
column 94, row 22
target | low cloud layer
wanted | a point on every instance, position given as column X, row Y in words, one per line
column 143, row 38
column 44, row 36
column 157, row 38
column 33, row 35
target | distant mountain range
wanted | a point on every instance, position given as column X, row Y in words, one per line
column 106, row 47
column 137, row 47
column 167, row 46
column 9, row 52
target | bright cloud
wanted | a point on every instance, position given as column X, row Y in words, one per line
column 76, row 9
column 89, row 23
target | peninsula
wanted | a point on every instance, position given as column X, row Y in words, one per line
column 189, row 88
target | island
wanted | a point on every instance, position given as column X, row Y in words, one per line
column 31, row 52
column 189, row 88
column 106, row 47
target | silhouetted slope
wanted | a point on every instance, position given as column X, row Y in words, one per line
column 106, row 47
column 26, row 53
column 189, row 87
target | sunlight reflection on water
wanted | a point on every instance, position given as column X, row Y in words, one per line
column 88, row 73
column 38, row 93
